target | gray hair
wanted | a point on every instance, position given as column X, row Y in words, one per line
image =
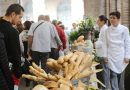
column 46, row 18
column 41, row 17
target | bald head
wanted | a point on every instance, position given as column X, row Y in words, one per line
column 41, row 17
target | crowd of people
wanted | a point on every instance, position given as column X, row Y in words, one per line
column 44, row 39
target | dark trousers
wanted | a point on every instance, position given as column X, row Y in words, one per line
column 39, row 57
column 54, row 53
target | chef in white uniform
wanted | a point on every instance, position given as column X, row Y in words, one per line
column 116, row 51
column 102, row 23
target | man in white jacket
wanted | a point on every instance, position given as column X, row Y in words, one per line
column 116, row 51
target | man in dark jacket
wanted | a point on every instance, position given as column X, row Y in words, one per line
column 13, row 15
column 6, row 82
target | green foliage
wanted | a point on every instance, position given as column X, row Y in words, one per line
column 96, row 33
column 83, row 28
column 73, row 36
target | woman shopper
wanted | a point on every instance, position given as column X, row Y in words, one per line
column 102, row 23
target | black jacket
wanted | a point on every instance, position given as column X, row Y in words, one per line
column 11, row 39
column 6, row 81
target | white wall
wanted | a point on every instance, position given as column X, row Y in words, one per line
column 38, row 8
column 77, row 10
column 4, row 4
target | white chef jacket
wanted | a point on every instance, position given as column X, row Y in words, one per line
column 99, row 43
column 117, row 47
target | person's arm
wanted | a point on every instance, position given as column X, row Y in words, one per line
column 30, row 41
column 63, row 38
column 127, row 46
column 30, row 37
column 15, row 52
column 105, row 45
column 4, row 63
column 21, row 43
column 98, row 43
column 56, row 36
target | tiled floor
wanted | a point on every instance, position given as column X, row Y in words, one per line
column 23, row 86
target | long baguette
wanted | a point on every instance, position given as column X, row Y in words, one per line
column 60, row 60
column 51, row 84
column 68, row 56
column 79, row 59
column 86, row 62
column 52, row 77
column 30, row 77
column 50, row 65
column 65, row 82
column 38, row 68
column 64, row 87
column 57, row 66
column 85, row 73
column 73, row 58
column 80, row 38
column 37, row 73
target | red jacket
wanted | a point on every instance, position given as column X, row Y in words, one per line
column 62, row 36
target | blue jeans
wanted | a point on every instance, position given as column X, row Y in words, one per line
column 112, row 80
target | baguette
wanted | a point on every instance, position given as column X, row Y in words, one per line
column 60, row 60
column 80, row 38
column 65, row 64
column 86, row 62
column 51, row 84
column 30, row 77
column 68, row 56
column 50, row 65
column 85, row 73
column 65, row 82
column 38, row 68
column 57, row 66
column 37, row 73
column 79, row 59
column 64, row 87
column 73, row 58
column 52, row 77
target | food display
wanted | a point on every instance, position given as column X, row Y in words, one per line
column 79, row 41
column 72, row 66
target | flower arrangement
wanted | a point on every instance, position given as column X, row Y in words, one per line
column 84, row 27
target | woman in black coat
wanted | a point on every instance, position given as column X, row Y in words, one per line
column 6, row 81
